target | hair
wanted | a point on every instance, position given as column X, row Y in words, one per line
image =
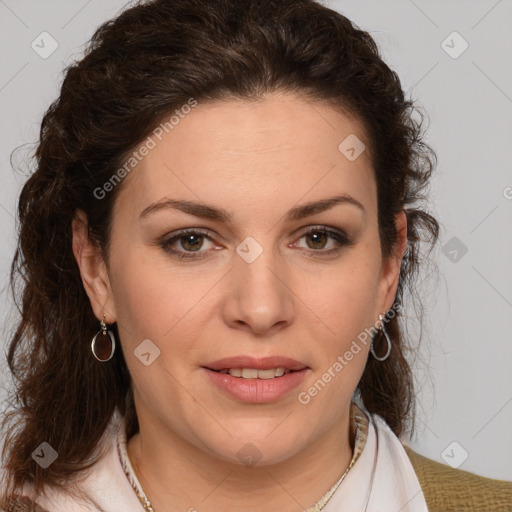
column 137, row 69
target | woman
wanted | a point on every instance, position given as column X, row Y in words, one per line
column 215, row 245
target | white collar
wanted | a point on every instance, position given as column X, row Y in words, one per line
column 394, row 484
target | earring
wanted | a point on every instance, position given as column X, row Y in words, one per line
column 103, row 348
column 383, row 330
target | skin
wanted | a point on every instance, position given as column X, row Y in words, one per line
column 256, row 160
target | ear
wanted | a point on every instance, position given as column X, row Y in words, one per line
column 93, row 270
column 390, row 273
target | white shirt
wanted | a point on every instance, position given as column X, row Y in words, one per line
column 382, row 479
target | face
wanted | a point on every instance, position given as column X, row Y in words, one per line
column 267, row 279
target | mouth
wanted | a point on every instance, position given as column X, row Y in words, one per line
column 251, row 367
column 251, row 379
column 268, row 383
column 254, row 373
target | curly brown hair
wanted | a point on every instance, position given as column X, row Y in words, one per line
column 139, row 67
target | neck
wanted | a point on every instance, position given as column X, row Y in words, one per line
column 176, row 474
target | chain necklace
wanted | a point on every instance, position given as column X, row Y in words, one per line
column 359, row 423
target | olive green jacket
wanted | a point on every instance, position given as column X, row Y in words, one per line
column 447, row 489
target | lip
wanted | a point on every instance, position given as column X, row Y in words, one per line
column 256, row 391
column 262, row 363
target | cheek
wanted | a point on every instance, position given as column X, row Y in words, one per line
column 151, row 298
column 151, row 304
column 351, row 291
column 346, row 306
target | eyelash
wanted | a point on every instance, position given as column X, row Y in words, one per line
column 340, row 237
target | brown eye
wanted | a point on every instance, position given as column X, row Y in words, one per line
column 191, row 242
column 318, row 238
column 184, row 244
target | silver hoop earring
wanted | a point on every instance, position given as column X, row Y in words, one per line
column 103, row 348
column 383, row 330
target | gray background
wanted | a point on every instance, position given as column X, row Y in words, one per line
column 463, row 366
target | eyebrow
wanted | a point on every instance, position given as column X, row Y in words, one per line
column 218, row 214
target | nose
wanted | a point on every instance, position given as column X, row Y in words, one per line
column 259, row 298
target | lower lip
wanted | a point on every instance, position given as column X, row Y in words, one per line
column 256, row 391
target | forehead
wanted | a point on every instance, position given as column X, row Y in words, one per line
column 271, row 151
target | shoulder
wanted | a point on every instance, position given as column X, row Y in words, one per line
column 448, row 489
column 103, row 486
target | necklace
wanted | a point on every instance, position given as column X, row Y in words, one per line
column 324, row 500
column 143, row 498
column 358, row 422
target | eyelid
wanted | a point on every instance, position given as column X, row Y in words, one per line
column 338, row 235
column 320, row 227
column 169, row 238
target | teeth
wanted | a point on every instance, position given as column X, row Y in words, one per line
column 249, row 373
column 252, row 373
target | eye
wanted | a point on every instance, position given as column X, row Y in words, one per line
column 190, row 240
column 318, row 237
column 187, row 243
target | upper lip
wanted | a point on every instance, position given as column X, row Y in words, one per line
column 263, row 363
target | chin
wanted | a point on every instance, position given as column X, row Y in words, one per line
column 250, row 448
